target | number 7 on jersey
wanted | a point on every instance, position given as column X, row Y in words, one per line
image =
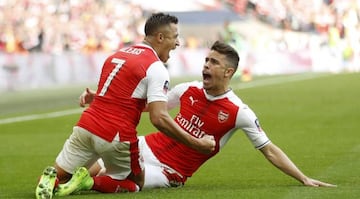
column 119, row 63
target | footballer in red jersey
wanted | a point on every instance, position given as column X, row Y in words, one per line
column 132, row 78
column 200, row 113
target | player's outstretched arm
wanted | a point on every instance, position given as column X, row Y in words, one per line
column 279, row 159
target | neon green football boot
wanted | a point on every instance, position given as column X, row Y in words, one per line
column 45, row 187
column 81, row 180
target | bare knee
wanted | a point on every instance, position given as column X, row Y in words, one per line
column 62, row 175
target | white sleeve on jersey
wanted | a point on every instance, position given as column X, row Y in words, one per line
column 249, row 123
column 158, row 82
column 176, row 92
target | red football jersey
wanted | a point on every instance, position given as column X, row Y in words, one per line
column 201, row 114
column 130, row 78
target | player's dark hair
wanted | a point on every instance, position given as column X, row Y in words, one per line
column 231, row 54
column 158, row 20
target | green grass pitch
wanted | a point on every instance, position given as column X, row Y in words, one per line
column 314, row 118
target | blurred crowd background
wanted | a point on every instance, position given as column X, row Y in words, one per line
column 316, row 35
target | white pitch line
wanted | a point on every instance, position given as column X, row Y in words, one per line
column 241, row 85
column 40, row 116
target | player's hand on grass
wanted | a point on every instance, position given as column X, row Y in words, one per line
column 86, row 97
column 207, row 144
column 316, row 183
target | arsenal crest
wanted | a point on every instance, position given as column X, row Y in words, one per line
column 222, row 116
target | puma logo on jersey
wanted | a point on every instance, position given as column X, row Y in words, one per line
column 193, row 100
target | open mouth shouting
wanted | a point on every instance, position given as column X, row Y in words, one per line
column 206, row 77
